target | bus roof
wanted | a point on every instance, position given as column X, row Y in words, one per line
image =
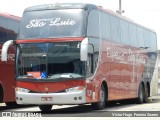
column 6, row 15
column 85, row 6
column 61, row 6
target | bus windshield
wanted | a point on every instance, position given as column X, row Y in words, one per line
column 53, row 24
column 50, row 61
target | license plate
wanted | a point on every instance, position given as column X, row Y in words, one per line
column 46, row 99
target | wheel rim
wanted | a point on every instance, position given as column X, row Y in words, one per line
column 102, row 96
column 141, row 95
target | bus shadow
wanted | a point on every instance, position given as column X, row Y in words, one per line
column 88, row 111
column 80, row 110
column 83, row 110
column 76, row 111
column 5, row 108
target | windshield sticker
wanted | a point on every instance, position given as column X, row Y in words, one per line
column 35, row 23
column 33, row 74
column 43, row 75
column 37, row 74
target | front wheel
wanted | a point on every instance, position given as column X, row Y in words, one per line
column 11, row 104
column 45, row 108
column 101, row 103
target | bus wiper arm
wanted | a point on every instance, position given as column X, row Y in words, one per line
column 71, row 76
column 67, row 76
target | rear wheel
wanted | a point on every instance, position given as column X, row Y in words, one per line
column 146, row 95
column 45, row 108
column 101, row 103
column 141, row 94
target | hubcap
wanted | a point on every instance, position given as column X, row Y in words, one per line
column 102, row 96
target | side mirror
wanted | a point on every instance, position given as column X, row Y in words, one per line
column 5, row 50
column 84, row 50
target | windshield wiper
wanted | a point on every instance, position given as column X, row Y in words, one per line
column 67, row 76
column 71, row 76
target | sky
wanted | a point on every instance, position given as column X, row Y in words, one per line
column 144, row 12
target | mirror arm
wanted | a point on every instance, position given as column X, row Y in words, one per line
column 5, row 50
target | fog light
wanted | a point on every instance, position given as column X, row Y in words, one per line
column 16, row 98
column 75, row 98
column 21, row 99
column 80, row 98
column 75, row 89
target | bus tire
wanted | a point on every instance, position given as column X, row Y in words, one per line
column 141, row 95
column 1, row 93
column 11, row 104
column 101, row 103
column 45, row 108
column 146, row 95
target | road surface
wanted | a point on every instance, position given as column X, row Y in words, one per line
column 153, row 106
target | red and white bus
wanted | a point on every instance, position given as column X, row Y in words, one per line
column 9, row 25
column 81, row 53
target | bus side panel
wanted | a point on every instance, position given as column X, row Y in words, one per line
column 7, row 77
column 126, row 66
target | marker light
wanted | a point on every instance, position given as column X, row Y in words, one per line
column 22, row 90
column 75, row 89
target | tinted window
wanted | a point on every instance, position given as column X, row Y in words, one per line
column 55, row 60
column 3, row 30
column 147, row 40
column 124, row 32
column 153, row 41
column 105, row 26
column 140, row 37
column 115, row 29
column 93, row 24
column 133, row 35
column 93, row 54
column 52, row 24
column 8, row 29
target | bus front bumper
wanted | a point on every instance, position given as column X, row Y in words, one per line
column 51, row 98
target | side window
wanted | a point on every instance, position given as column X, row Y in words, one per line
column 13, row 27
column 147, row 41
column 105, row 26
column 124, row 32
column 115, row 29
column 133, row 35
column 8, row 29
column 93, row 24
column 3, row 36
column 140, row 37
column 153, row 41
column 3, row 30
column 93, row 54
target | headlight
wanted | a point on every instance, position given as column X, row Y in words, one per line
column 22, row 90
column 75, row 89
